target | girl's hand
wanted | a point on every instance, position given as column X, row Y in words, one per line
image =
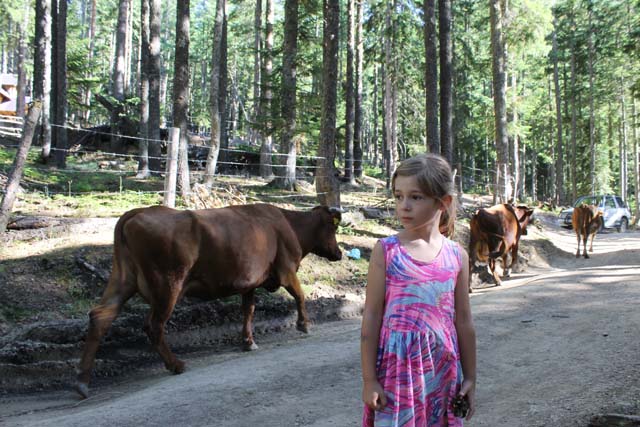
column 468, row 389
column 373, row 395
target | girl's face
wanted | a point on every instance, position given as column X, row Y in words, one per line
column 413, row 208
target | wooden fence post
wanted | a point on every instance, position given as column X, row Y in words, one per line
column 171, row 168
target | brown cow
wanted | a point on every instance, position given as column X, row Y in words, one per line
column 495, row 232
column 586, row 221
column 164, row 254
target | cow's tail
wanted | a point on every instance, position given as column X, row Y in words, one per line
column 119, row 268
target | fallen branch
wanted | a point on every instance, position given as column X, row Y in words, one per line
column 100, row 273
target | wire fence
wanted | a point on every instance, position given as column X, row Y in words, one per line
column 124, row 166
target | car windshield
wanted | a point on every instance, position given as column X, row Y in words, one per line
column 587, row 200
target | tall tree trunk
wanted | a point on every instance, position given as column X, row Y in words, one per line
column 376, row 101
column 592, row 118
column 154, row 86
column 636, row 161
column 181, row 91
column 257, row 68
column 446, row 80
column 327, row 185
column 559, row 149
column 266, row 146
column 22, row 72
column 224, row 95
column 118, row 79
column 622, row 144
column 92, row 36
column 143, row 145
column 574, row 122
column 42, row 72
column 551, row 187
column 388, row 96
column 214, row 92
column 357, row 125
column 287, row 162
column 431, row 76
column 349, row 112
column 60, row 81
column 516, row 145
column 499, row 102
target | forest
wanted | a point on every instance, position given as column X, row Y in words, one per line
column 530, row 100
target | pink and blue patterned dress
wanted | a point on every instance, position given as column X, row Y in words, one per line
column 418, row 361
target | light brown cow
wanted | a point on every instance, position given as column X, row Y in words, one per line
column 586, row 221
column 495, row 232
column 164, row 254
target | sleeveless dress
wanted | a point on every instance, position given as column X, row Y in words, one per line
column 418, row 362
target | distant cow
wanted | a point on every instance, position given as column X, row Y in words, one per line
column 165, row 254
column 495, row 232
column 586, row 221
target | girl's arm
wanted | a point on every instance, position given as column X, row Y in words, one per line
column 372, row 393
column 466, row 334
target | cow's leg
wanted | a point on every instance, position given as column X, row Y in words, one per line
column 248, row 309
column 514, row 259
column 585, row 237
column 578, row 251
column 294, row 288
column 161, row 309
column 593, row 236
column 492, row 267
column 118, row 291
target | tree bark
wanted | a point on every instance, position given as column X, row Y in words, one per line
column 42, row 73
column 559, row 197
column 214, row 100
column 592, row 118
column 431, row 76
column 154, row 86
column 257, row 68
column 287, row 162
column 181, row 92
column 388, row 96
column 358, row 107
column 143, row 145
column 499, row 102
column 59, row 61
column 13, row 180
column 574, row 122
column 118, row 77
column 349, row 101
column 22, row 72
column 266, row 145
column 327, row 185
column 446, row 80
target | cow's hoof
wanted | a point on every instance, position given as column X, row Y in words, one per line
column 586, row 256
column 82, row 389
column 250, row 347
column 177, row 368
column 302, row 328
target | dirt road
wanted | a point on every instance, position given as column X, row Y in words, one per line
column 555, row 346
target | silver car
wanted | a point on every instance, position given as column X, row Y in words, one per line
column 615, row 211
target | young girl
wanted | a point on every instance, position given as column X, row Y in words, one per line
column 418, row 342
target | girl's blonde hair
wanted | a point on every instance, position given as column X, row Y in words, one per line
column 435, row 179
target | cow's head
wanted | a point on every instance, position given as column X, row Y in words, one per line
column 525, row 216
column 596, row 222
column 327, row 221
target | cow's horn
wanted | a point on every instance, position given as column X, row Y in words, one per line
column 336, row 209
